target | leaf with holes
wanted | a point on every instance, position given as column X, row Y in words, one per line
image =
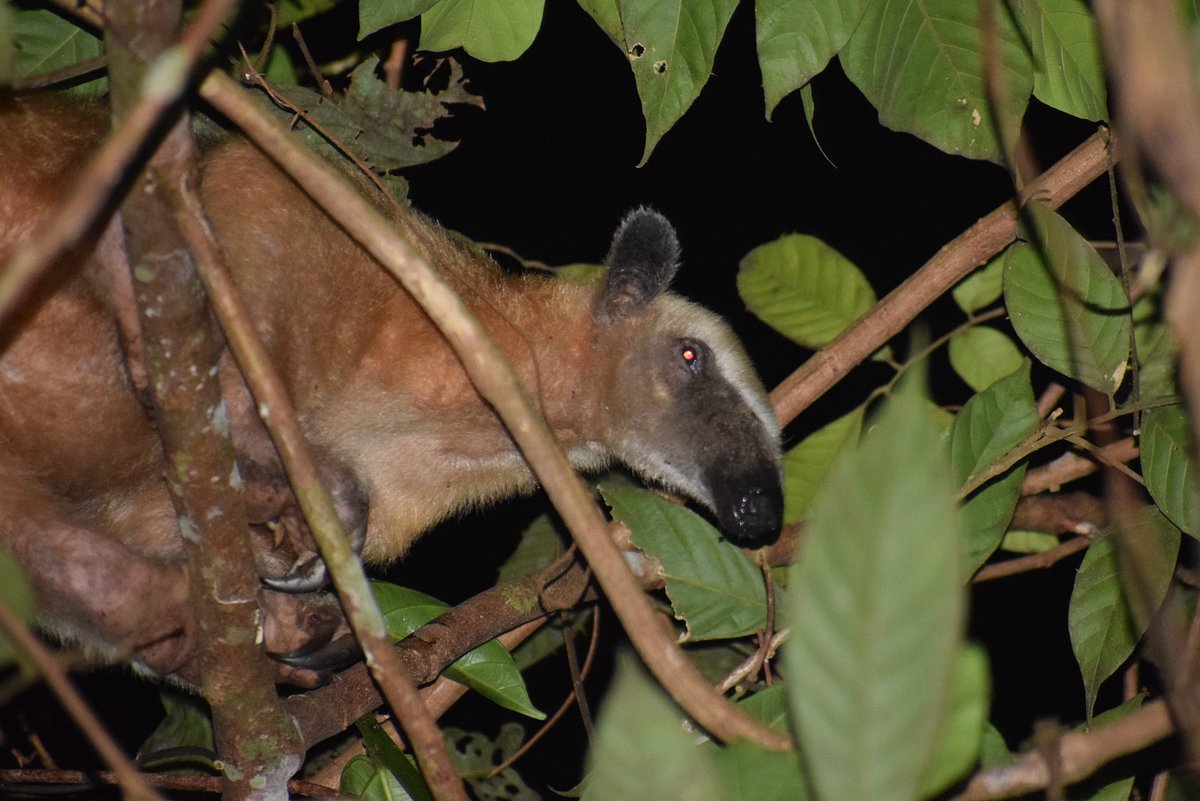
column 804, row 289
column 1068, row 69
column 1101, row 620
column 1166, row 448
column 796, row 39
column 490, row 30
column 921, row 65
column 671, row 46
column 713, row 587
column 1069, row 309
column 987, row 428
column 876, row 606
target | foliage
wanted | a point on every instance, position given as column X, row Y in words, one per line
column 898, row 501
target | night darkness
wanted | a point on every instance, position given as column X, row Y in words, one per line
column 550, row 168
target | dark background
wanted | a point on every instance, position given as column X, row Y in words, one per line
column 550, row 168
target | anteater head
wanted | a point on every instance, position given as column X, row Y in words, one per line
column 683, row 405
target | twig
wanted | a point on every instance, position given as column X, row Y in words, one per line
column 496, row 381
column 205, row 784
column 125, row 773
column 1079, row 755
column 1072, row 466
column 1034, row 561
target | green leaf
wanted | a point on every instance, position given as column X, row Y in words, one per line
column 1120, row 790
column 490, row 30
column 877, row 607
column 921, row 65
column 796, row 39
column 1028, row 542
column 1070, row 312
column 374, row 15
column 46, row 42
column 713, row 587
column 987, row 428
column 981, row 355
column 1166, row 451
column 750, row 773
column 488, row 670
column 184, row 735
column 1101, row 620
column 293, row 11
column 383, row 751
column 16, row 595
column 1157, row 357
column 1068, row 68
column 540, row 544
column 806, row 465
column 993, row 751
column 981, row 288
column 640, row 750
column 804, row 289
column 363, row 779
column 606, row 14
column 959, row 741
column 671, row 45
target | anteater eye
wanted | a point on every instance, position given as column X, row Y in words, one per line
column 689, row 353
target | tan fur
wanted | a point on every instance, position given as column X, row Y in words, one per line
column 390, row 412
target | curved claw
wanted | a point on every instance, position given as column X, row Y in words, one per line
column 307, row 574
column 323, row 655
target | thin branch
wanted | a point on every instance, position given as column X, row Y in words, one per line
column 55, row 676
column 1071, row 466
column 1035, row 561
column 1079, row 756
column 86, row 780
column 493, row 376
column 953, row 262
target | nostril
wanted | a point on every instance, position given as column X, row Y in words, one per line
column 757, row 517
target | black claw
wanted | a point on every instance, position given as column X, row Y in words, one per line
column 323, row 654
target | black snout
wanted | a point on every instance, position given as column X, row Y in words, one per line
column 752, row 517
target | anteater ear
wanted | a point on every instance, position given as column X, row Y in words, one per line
column 641, row 262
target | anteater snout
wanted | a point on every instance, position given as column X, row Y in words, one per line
column 752, row 519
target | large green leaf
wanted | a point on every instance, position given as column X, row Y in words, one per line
column 1102, row 622
column 803, row 288
column 1158, row 356
column 364, row 779
column 921, row 65
column 488, row 670
column 713, row 587
column 877, row 607
column 1068, row 69
column 796, row 39
column 640, row 750
column 1166, row 451
column 376, row 14
column 671, row 46
column 1069, row 309
column 982, row 355
column 988, row 426
column 490, row 30
column 807, row 464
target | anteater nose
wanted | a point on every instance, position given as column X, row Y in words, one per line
column 756, row 517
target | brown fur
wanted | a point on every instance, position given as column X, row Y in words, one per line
column 401, row 433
